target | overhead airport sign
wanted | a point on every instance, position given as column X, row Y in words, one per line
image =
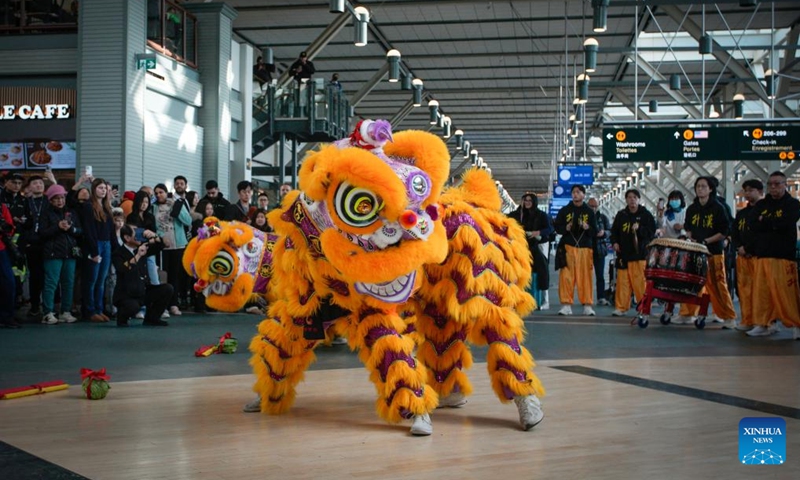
column 701, row 144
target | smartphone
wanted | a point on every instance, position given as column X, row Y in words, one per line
column 87, row 170
column 139, row 235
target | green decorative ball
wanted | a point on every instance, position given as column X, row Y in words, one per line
column 98, row 389
column 229, row 345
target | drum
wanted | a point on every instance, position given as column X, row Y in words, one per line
column 677, row 266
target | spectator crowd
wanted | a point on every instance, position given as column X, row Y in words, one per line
column 93, row 254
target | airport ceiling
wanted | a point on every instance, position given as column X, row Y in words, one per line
column 504, row 71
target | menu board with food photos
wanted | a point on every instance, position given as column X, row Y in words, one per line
column 12, row 156
column 54, row 154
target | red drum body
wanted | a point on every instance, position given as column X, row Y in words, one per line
column 677, row 266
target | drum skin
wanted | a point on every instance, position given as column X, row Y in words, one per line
column 676, row 266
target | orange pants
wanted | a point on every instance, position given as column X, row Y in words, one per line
column 630, row 278
column 717, row 288
column 776, row 293
column 745, row 277
column 579, row 271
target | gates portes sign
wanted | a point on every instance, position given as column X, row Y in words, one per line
column 650, row 144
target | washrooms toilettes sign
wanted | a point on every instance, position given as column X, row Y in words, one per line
column 762, row 441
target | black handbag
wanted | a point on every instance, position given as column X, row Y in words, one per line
column 176, row 208
column 561, row 255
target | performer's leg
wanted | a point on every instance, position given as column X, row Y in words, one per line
column 785, row 291
column 566, row 279
column 444, row 353
column 388, row 355
column 280, row 357
column 638, row 282
column 718, row 288
column 585, row 265
column 622, row 298
column 745, row 273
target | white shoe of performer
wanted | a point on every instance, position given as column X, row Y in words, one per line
column 454, row 400
column 421, row 425
column 530, row 411
column 254, row 406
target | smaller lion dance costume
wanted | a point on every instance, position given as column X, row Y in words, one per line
column 368, row 238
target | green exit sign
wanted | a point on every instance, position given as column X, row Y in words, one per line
column 147, row 62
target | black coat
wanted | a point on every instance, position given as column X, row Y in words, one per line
column 233, row 212
column 623, row 234
column 775, row 225
column 132, row 277
column 57, row 243
column 220, row 204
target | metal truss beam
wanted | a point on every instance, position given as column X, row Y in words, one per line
column 781, row 110
column 662, row 81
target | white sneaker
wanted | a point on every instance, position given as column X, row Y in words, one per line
column 713, row 318
column 454, row 400
column 603, row 302
column 140, row 315
column 743, row 328
column 67, row 317
column 339, row 341
column 253, row 310
column 530, row 411
column 796, row 333
column 50, row 319
column 682, row 320
column 165, row 314
column 254, row 406
column 175, row 311
column 617, row 313
column 421, row 425
column 544, row 306
column 565, row 310
column 761, row 331
column 588, row 311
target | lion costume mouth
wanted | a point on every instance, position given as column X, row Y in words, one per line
column 396, row 291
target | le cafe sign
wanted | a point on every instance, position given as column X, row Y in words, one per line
column 35, row 112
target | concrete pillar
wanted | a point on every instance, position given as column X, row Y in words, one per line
column 111, row 90
column 241, row 164
column 214, row 22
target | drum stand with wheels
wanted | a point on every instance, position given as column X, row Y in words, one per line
column 651, row 293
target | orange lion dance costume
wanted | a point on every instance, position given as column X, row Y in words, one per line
column 369, row 236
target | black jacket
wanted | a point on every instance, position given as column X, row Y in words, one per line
column 220, row 203
column 148, row 222
column 601, row 244
column 776, row 227
column 533, row 220
column 577, row 236
column 306, row 69
column 704, row 221
column 14, row 202
column 742, row 233
column 233, row 212
column 35, row 210
column 57, row 243
column 627, row 238
column 132, row 277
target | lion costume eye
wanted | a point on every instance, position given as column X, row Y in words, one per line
column 222, row 264
column 357, row 207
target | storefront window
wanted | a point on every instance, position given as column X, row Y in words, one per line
column 38, row 16
column 171, row 30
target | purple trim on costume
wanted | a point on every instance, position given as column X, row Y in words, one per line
column 366, row 312
column 281, row 352
column 454, row 222
column 272, row 375
column 439, row 319
column 479, row 269
column 494, row 337
column 306, row 297
column 414, row 197
column 508, row 393
column 338, row 286
column 299, row 321
column 521, row 376
column 432, row 212
column 502, row 231
column 441, row 347
column 404, row 412
column 441, row 375
column 261, row 284
column 376, row 333
column 390, row 357
column 410, row 328
column 288, row 244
